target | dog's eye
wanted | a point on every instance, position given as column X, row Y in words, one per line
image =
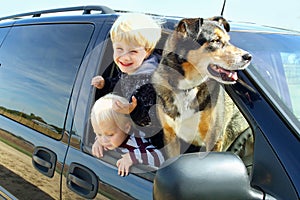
column 217, row 41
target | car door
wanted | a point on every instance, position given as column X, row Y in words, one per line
column 37, row 74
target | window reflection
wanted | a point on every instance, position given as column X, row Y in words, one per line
column 276, row 61
column 38, row 68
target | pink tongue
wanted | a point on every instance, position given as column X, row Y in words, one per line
column 230, row 74
column 233, row 76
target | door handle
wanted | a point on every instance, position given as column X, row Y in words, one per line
column 82, row 181
column 41, row 162
column 44, row 160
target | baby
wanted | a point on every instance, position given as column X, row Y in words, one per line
column 116, row 131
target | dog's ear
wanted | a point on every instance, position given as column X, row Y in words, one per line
column 222, row 21
column 189, row 26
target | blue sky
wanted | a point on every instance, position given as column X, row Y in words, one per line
column 284, row 14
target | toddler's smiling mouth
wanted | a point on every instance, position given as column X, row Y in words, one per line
column 125, row 64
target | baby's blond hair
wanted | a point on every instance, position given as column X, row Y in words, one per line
column 102, row 112
column 136, row 28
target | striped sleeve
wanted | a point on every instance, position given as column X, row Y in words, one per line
column 147, row 154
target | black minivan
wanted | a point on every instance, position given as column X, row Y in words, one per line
column 47, row 61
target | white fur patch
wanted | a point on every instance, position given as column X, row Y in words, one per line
column 185, row 84
column 186, row 125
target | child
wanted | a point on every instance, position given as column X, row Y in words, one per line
column 134, row 37
column 115, row 131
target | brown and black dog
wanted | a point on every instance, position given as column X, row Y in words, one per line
column 192, row 103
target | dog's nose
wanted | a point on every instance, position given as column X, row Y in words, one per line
column 247, row 56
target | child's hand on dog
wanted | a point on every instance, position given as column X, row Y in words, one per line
column 98, row 82
column 124, row 165
column 125, row 108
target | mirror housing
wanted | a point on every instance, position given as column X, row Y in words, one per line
column 204, row 175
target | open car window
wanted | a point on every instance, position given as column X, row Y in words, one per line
column 147, row 172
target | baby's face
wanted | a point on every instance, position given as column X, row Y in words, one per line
column 110, row 135
column 128, row 57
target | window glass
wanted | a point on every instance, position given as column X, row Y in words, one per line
column 3, row 32
column 291, row 66
column 276, row 66
column 38, row 69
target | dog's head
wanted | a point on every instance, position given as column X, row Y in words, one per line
column 203, row 45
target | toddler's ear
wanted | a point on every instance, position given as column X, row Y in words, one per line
column 127, row 128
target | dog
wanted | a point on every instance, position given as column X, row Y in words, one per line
column 193, row 106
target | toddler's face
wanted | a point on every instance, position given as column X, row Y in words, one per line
column 110, row 135
column 128, row 57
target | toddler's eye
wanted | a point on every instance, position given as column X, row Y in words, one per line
column 119, row 49
column 133, row 51
column 108, row 134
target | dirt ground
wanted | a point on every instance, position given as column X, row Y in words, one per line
column 24, row 181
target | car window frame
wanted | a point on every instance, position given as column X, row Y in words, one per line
column 265, row 88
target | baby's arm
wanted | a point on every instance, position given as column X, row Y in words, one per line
column 152, row 157
column 124, row 164
column 145, row 154
column 97, row 148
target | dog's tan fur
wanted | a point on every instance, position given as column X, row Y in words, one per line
column 193, row 105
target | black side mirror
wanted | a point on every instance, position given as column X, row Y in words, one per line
column 213, row 175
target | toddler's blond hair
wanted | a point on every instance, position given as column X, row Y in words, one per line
column 102, row 112
column 139, row 29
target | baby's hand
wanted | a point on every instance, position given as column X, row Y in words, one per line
column 125, row 108
column 97, row 149
column 124, row 165
column 98, row 82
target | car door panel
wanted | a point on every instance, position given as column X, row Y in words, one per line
column 17, row 147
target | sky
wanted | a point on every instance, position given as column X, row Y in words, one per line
column 282, row 14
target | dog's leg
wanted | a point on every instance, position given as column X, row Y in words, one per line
column 171, row 141
column 212, row 119
column 209, row 128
